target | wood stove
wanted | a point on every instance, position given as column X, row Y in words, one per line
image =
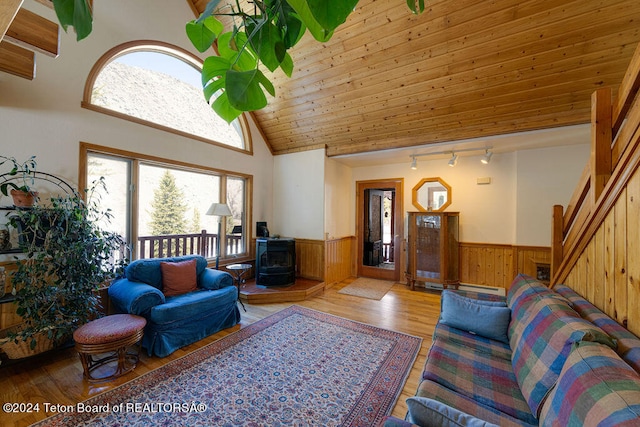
column 275, row 261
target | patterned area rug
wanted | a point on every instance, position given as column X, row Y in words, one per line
column 297, row 367
column 367, row 288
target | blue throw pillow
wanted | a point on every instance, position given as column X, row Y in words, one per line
column 475, row 316
column 427, row 412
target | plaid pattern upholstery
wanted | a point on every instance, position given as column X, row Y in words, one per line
column 541, row 340
column 595, row 388
column 466, row 404
column 524, row 291
column 628, row 344
column 485, row 379
column 474, row 342
column 480, row 296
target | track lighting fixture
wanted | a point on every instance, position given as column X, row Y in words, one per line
column 487, row 157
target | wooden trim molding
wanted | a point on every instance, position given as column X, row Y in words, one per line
column 169, row 49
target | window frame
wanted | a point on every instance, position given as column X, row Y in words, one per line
column 137, row 158
column 167, row 49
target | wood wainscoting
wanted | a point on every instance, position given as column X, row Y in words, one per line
column 310, row 259
column 496, row 265
column 339, row 259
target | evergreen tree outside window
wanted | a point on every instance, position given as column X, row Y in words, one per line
column 160, row 208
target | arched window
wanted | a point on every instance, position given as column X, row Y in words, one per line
column 159, row 85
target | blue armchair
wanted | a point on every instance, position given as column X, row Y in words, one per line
column 176, row 321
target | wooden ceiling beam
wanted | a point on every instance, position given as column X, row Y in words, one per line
column 17, row 61
column 34, row 32
column 8, row 11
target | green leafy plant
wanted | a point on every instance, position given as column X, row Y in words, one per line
column 68, row 256
column 75, row 13
column 23, row 172
column 259, row 37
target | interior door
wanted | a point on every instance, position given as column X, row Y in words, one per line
column 373, row 217
column 369, row 219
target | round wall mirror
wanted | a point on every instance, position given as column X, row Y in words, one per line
column 431, row 195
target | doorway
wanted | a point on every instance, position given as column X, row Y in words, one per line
column 379, row 228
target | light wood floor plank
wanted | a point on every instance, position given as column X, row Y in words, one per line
column 57, row 378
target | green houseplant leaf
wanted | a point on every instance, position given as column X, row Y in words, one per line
column 303, row 10
column 223, row 108
column 331, row 14
column 203, row 33
column 416, row 6
column 266, row 41
column 244, row 89
column 76, row 13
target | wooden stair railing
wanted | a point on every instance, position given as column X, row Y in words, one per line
column 615, row 154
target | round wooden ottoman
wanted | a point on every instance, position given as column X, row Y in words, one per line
column 110, row 334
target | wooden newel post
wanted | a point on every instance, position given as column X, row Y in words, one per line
column 557, row 239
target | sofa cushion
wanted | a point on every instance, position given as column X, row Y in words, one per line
column 477, row 375
column 541, row 340
column 628, row 344
column 478, row 343
column 179, row 277
column 192, row 305
column 483, row 318
column 469, row 406
column 427, row 412
column 595, row 388
column 524, row 291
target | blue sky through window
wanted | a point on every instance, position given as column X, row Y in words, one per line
column 163, row 63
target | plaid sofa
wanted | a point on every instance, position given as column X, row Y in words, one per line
column 562, row 362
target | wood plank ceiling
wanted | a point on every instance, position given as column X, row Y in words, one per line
column 463, row 69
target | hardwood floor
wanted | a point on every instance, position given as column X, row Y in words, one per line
column 56, row 378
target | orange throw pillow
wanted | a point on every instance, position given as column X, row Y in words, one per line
column 178, row 277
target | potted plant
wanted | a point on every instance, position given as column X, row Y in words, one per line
column 68, row 255
column 20, row 179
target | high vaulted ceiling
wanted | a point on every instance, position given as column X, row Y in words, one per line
column 463, row 69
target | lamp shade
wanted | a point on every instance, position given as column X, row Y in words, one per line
column 219, row 209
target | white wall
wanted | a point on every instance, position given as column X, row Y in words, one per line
column 515, row 208
column 340, row 205
column 43, row 117
column 298, row 197
column 546, row 177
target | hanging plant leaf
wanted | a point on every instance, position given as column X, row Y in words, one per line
column 266, row 42
column 244, row 91
column 295, row 28
column 416, row 6
column 203, row 33
column 214, row 67
column 223, row 108
column 331, row 14
column 76, row 13
column 228, row 47
column 209, row 10
column 318, row 32
column 287, row 65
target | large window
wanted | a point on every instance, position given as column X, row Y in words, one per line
column 160, row 207
column 159, row 85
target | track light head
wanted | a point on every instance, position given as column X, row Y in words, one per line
column 487, row 157
column 414, row 163
column 453, row 160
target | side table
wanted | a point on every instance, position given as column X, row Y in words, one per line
column 238, row 271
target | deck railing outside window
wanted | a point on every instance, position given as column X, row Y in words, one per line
column 173, row 245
